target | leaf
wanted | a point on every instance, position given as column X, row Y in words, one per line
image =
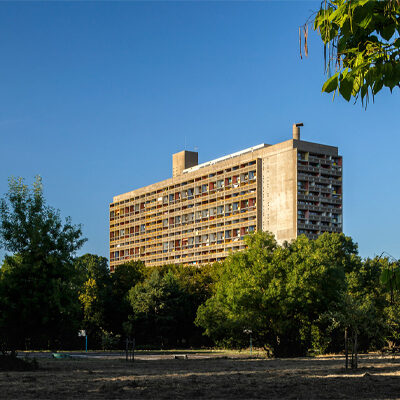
column 337, row 14
column 365, row 22
column 357, row 84
column 385, row 276
column 362, row 2
column 360, row 36
column 388, row 31
column 377, row 86
column 364, row 91
column 346, row 87
column 331, row 84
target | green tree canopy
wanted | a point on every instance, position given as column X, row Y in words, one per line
column 123, row 279
column 92, row 266
column 31, row 228
column 38, row 299
column 160, row 308
column 94, row 279
column 361, row 46
column 278, row 292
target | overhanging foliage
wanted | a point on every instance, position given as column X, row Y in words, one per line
column 361, row 46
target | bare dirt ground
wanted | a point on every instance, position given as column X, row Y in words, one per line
column 204, row 376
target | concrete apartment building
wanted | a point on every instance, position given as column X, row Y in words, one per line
column 204, row 211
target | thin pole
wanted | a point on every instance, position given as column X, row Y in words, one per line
column 86, row 343
column 251, row 345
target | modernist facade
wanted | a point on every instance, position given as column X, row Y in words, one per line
column 204, row 211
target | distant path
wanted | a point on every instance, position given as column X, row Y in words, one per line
column 139, row 355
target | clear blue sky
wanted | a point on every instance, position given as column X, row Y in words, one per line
column 96, row 96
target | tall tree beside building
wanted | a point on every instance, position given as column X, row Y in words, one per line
column 123, row 279
column 161, row 309
column 38, row 300
column 278, row 292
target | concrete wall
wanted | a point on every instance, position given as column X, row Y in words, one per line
column 279, row 195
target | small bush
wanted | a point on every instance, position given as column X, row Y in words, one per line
column 109, row 341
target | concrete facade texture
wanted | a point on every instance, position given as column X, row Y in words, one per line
column 204, row 211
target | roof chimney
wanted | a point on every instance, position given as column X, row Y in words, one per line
column 296, row 130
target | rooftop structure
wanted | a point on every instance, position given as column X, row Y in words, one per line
column 205, row 210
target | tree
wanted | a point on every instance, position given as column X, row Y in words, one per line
column 390, row 279
column 197, row 285
column 123, row 279
column 38, row 299
column 316, row 281
column 361, row 46
column 160, row 306
column 364, row 288
column 246, row 295
column 365, row 315
column 278, row 292
column 92, row 266
column 93, row 275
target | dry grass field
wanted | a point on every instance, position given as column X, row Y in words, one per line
column 204, row 376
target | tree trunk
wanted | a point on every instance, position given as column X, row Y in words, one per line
column 355, row 351
column 352, row 351
column 346, row 348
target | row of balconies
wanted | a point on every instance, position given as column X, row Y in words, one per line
column 193, row 260
column 317, row 186
column 233, row 246
column 149, row 219
column 173, row 205
column 334, row 170
column 319, row 227
column 212, row 248
column 325, row 158
column 319, row 179
column 329, row 161
column 176, row 232
column 184, row 233
column 203, row 220
column 149, row 227
column 333, row 200
column 151, row 197
column 322, row 195
column 305, row 186
column 171, row 199
column 319, row 208
column 317, row 218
